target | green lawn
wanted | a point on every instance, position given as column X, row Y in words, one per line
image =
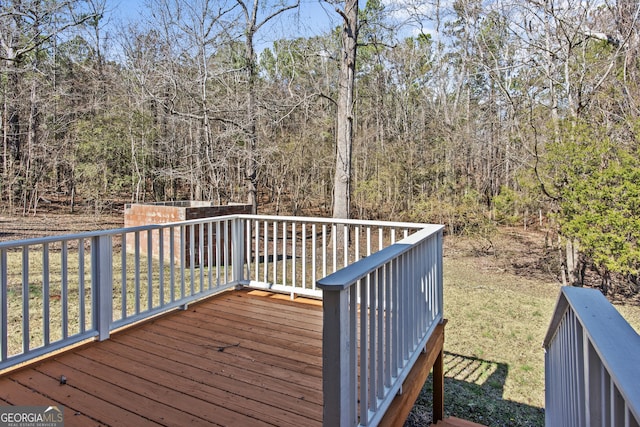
column 494, row 360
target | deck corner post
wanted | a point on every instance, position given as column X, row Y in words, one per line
column 337, row 372
column 102, row 284
column 237, row 249
column 440, row 273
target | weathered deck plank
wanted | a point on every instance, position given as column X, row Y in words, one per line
column 236, row 359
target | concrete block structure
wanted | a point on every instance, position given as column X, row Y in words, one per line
column 140, row 214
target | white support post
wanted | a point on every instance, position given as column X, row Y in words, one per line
column 440, row 272
column 4, row 285
column 102, row 284
column 237, row 249
column 337, row 377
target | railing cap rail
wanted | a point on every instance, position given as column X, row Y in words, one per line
column 90, row 234
column 615, row 341
column 345, row 277
column 319, row 220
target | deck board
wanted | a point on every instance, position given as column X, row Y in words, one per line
column 237, row 326
column 19, row 395
column 242, row 358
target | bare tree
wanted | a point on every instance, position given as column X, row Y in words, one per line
column 190, row 86
column 253, row 22
column 345, row 111
column 28, row 33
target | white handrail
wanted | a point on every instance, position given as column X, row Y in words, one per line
column 592, row 373
column 379, row 313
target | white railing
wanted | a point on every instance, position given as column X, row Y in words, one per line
column 592, row 373
column 378, row 316
column 290, row 254
column 59, row 291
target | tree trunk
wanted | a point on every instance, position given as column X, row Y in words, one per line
column 251, row 168
column 252, row 27
column 574, row 275
column 344, row 137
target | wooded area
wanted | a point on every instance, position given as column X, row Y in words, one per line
column 470, row 114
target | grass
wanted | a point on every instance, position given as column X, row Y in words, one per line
column 502, row 320
column 494, row 360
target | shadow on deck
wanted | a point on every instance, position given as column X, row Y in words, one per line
column 244, row 358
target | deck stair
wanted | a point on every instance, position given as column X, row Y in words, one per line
column 456, row 422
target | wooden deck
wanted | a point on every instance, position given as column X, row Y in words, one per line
column 243, row 358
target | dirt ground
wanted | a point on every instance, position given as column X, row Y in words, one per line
column 531, row 253
column 528, row 253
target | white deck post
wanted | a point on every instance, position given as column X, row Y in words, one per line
column 4, row 285
column 337, row 379
column 237, row 249
column 102, row 284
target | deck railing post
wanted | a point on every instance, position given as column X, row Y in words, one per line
column 337, row 378
column 102, row 284
column 237, row 249
column 440, row 272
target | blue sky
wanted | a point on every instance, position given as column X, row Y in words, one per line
column 314, row 17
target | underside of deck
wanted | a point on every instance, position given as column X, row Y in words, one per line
column 241, row 358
